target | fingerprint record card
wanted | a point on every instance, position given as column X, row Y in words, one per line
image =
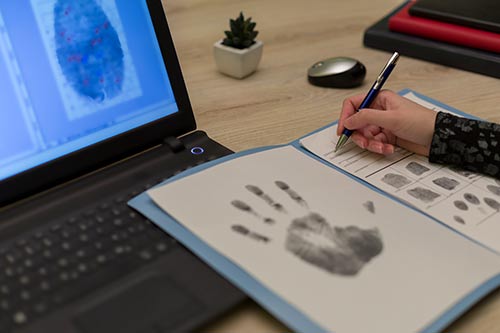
column 344, row 255
column 465, row 201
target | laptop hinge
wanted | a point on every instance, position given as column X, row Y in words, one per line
column 174, row 144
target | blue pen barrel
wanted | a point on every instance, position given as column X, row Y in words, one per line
column 372, row 94
column 347, row 132
column 366, row 103
column 369, row 99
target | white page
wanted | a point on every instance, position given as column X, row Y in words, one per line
column 465, row 201
column 404, row 273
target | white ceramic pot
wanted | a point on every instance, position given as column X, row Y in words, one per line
column 235, row 62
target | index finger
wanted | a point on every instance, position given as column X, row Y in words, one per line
column 349, row 107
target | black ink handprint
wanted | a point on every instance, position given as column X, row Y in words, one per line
column 337, row 250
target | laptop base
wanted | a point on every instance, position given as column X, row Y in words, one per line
column 78, row 259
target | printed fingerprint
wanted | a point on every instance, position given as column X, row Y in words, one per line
column 396, row 180
column 88, row 49
column 471, row 198
column 446, row 183
column 417, row 168
column 423, row 194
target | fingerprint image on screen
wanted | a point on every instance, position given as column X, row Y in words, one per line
column 87, row 48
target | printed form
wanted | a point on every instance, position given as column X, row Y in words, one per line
column 465, row 201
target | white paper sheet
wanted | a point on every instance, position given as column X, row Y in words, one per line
column 350, row 258
column 465, row 201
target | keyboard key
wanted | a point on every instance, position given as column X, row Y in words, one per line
column 4, row 305
column 20, row 318
column 40, row 307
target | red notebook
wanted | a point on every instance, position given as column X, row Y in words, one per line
column 403, row 22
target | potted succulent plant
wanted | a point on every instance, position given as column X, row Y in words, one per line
column 238, row 54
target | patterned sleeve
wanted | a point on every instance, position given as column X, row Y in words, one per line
column 469, row 144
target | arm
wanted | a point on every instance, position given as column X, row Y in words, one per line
column 470, row 144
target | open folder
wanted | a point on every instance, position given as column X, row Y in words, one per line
column 346, row 242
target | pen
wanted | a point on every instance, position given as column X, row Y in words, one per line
column 374, row 90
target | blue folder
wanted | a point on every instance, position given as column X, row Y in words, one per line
column 280, row 308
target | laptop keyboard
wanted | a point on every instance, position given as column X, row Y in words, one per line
column 68, row 258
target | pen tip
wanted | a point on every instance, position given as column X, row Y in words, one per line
column 341, row 142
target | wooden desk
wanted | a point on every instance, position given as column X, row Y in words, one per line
column 277, row 104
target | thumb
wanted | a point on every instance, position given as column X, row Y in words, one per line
column 365, row 117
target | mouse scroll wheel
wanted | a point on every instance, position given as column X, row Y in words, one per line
column 319, row 64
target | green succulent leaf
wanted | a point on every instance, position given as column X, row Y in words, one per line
column 234, row 25
column 242, row 34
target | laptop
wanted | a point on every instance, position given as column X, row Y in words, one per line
column 95, row 111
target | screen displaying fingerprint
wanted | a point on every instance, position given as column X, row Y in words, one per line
column 88, row 49
column 89, row 54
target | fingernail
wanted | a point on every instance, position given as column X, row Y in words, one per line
column 377, row 148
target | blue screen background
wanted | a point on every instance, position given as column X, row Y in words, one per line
column 14, row 136
column 60, row 134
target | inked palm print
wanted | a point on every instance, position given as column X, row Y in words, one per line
column 337, row 250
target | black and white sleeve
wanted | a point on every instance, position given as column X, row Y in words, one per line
column 470, row 144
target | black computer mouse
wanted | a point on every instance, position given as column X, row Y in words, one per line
column 337, row 72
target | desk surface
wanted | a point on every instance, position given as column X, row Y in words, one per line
column 276, row 104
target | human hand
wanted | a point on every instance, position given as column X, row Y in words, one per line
column 392, row 120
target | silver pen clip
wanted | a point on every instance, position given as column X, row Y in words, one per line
column 392, row 62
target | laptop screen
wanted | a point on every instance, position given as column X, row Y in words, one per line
column 74, row 73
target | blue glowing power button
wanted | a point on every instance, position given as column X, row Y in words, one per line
column 197, row 151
